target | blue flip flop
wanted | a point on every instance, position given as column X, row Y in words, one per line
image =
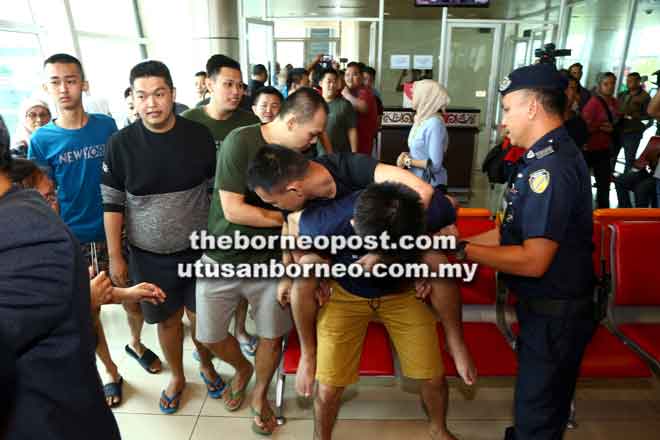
column 219, row 386
column 250, row 348
column 168, row 409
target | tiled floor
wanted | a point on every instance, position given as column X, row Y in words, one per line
column 374, row 409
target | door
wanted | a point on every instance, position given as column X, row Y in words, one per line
column 260, row 45
column 471, row 75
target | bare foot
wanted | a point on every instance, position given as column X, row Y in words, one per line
column 464, row 363
column 437, row 434
column 305, row 375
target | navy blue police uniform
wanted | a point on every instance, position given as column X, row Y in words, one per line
column 549, row 196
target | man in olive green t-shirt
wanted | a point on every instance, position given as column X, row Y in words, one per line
column 221, row 115
column 342, row 126
column 234, row 208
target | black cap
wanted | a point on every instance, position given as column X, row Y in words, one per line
column 536, row 76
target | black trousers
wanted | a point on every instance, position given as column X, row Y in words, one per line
column 550, row 352
column 599, row 163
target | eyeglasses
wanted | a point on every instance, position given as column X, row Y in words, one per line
column 38, row 115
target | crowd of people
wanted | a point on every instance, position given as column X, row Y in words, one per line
column 98, row 215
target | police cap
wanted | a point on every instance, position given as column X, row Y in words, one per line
column 536, row 76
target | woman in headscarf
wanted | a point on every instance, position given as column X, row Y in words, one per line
column 33, row 113
column 428, row 138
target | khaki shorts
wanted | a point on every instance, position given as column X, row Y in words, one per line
column 342, row 325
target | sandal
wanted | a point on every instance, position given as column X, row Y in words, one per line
column 219, row 386
column 146, row 360
column 249, row 348
column 260, row 429
column 169, row 409
column 114, row 389
column 238, row 395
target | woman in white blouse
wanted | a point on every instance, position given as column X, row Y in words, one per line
column 428, row 138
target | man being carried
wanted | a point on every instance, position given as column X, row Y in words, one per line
column 287, row 180
column 342, row 322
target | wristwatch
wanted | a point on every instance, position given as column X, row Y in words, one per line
column 460, row 252
column 407, row 162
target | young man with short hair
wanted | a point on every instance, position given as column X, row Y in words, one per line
column 201, row 90
column 235, row 209
column 633, row 104
column 289, row 181
column 161, row 202
column 72, row 148
column 221, row 115
column 342, row 322
column 267, row 104
column 341, row 128
column 297, row 79
column 365, row 105
column 258, row 80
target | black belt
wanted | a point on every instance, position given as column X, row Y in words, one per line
column 559, row 308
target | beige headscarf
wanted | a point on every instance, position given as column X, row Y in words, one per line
column 429, row 98
column 23, row 133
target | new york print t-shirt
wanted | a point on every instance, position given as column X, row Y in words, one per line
column 73, row 159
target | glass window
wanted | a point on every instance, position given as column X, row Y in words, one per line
column 644, row 52
column 18, row 11
column 290, row 52
column 20, row 69
column 115, row 17
column 596, row 36
column 107, row 65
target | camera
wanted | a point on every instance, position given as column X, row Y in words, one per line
column 548, row 54
column 326, row 62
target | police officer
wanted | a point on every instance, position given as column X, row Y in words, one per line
column 543, row 251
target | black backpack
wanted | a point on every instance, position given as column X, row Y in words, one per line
column 494, row 165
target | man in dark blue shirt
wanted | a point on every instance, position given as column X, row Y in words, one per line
column 543, row 250
column 342, row 322
column 45, row 318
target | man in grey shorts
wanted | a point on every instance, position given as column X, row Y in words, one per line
column 236, row 209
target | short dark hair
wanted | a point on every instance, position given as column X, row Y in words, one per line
column 635, row 75
column 65, row 58
column 128, row 92
column 200, row 73
column 303, row 103
column 370, row 70
column 268, row 90
column 393, row 208
column 259, row 69
column 603, row 75
column 552, row 100
column 295, row 76
column 576, row 65
column 218, row 61
column 275, row 166
column 328, row 71
column 151, row 68
column 358, row 66
column 26, row 173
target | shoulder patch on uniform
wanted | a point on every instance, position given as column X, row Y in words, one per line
column 539, row 181
column 547, row 151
